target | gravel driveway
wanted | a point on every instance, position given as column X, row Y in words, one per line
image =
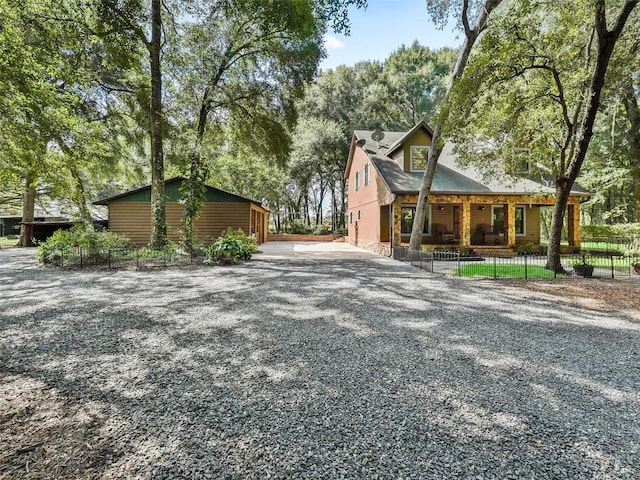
column 305, row 363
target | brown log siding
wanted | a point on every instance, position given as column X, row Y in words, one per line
column 133, row 220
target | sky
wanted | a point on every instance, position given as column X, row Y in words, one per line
column 383, row 27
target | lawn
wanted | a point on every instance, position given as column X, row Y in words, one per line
column 504, row 271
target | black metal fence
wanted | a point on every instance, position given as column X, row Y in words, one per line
column 529, row 266
column 75, row 257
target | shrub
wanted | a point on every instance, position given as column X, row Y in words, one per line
column 232, row 245
column 62, row 242
column 526, row 248
column 297, row 226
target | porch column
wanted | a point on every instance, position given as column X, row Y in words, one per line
column 465, row 234
column 510, row 223
column 573, row 224
column 397, row 218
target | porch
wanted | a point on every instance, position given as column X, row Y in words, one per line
column 465, row 221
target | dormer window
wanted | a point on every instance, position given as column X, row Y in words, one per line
column 521, row 161
column 419, row 158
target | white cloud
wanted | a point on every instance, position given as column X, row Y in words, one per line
column 332, row 43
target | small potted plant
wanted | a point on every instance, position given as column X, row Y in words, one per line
column 584, row 268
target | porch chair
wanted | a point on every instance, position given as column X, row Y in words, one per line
column 488, row 235
column 442, row 234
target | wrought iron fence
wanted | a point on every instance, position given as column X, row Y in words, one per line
column 526, row 266
column 75, row 257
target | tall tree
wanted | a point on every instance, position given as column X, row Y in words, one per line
column 545, row 82
column 440, row 10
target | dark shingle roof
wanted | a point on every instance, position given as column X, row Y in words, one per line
column 449, row 177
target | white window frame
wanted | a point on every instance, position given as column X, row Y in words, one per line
column 415, row 147
column 367, row 174
column 528, row 165
column 524, row 221
column 356, row 182
column 524, row 218
column 427, row 223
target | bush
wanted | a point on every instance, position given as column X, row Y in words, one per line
column 627, row 230
column 297, row 226
column 232, row 245
column 62, row 242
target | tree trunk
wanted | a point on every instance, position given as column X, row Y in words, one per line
column 605, row 44
column 195, row 194
column 158, row 208
column 80, row 199
column 28, row 209
column 471, row 35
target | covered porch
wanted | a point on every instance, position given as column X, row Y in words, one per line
column 463, row 221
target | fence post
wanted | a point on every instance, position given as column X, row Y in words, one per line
column 525, row 266
column 495, row 267
column 80, row 249
column 459, row 266
column 61, row 258
column 612, row 269
column 109, row 258
column 137, row 264
column 433, row 259
column 164, row 256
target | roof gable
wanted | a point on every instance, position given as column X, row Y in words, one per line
column 399, row 143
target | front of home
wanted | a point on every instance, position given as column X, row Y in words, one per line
column 130, row 214
column 465, row 210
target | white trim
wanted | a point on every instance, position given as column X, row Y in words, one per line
column 413, row 147
column 524, row 219
column 428, row 219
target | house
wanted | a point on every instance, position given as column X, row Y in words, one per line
column 130, row 214
column 384, row 172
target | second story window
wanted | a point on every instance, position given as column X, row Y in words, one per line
column 366, row 174
column 357, row 182
column 419, row 158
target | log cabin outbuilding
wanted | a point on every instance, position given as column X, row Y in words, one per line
column 130, row 214
column 465, row 210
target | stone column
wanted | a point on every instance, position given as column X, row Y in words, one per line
column 397, row 217
column 510, row 223
column 573, row 224
column 465, row 234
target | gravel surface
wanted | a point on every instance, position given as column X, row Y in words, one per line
column 301, row 364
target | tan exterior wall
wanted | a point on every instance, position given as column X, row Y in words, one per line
column 419, row 138
column 133, row 219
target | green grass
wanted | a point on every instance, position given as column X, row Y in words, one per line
column 602, row 261
column 8, row 243
column 504, row 271
column 620, row 247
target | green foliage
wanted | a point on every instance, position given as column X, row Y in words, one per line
column 64, row 241
column 231, row 246
column 504, row 271
column 626, row 230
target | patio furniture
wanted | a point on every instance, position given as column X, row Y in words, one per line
column 488, row 234
column 443, row 235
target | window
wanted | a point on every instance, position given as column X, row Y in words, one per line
column 406, row 219
column 357, row 182
column 497, row 219
column 419, row 158
column 521, row 163
column 366, row 174
column 350, row 218
column 520, row 220
column 359, row 215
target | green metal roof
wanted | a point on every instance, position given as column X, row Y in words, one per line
column 173, row 194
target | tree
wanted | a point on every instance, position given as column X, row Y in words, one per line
column 440, row 10
column 545, row 85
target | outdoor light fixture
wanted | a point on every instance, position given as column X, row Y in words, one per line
column 482, row 208
column 440, row 208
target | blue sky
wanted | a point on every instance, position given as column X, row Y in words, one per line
column 382, row 28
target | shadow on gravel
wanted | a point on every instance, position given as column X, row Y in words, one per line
column 329, row 369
